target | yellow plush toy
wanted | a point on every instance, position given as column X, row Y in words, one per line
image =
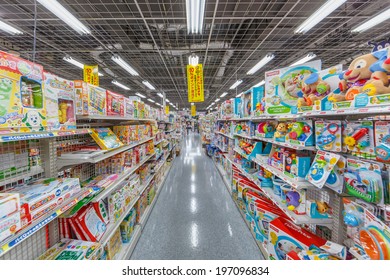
column 62, row 116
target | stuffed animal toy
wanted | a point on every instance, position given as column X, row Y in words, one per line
column 313, row 88
column 359, row 72
column 281, row 130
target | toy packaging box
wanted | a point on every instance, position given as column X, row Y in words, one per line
column 285, row 236
column 359, row 138
column 227, row 109
column 90, row 223
column 9, row 225
column 105, row 138
column 328, row 135
column 9, row 204
column 128, row 225
column 128, row 108
column 23, row 103
column 316, row 88
column 127, row 134
column 115, row 104
column 246, row 104
column 68, row 249
column 382, row 140
column 322, row 167
column 60, row 102
column 93, row 99
column 237, row 107
column 300, row 133
column 258, row 101
column 283, row 87
column 114, row 245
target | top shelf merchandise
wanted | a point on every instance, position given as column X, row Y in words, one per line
column 80, row 186
column 305, row 141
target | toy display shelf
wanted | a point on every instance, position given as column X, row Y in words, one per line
column 241, row 153
column 256, row 150
column 350, row 112
column 10, row 137
column 172, row 148
column 298, row 219
column 150, row 207
column 224, row 176
column 109, row 153
column 275, row 117
column 159, row 167
column 14, row 240
column 295, row 184
column 243, row 136
column 147, row 183
column 111, row 118
column 169, row 131
column 284, row 144
column 158, row 156
column 112, row 227
column 158, row 142
column 124, row 175
column 226, row 135
column 128, row 248
column 220, row 148
column 166, row 122
column 34, row 171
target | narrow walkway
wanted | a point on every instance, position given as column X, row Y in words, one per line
column 195, row 217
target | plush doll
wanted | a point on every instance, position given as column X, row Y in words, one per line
column 281, row 130
column 313, row 88
column 62, row 112
column 359, row 72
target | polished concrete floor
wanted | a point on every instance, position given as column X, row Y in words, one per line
column 194, row 216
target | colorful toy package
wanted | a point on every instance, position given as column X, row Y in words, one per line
column 359, row 138
column 114, row 245
column 328, row 135
column 246, row 104
column 258, row 101
column 9, row 225
column 227, row 109
column 23, row 103
column 322, row 167
column 285, row 236
column 300, row 133
column 128, row 225
column 91, row 223
column 60, row 102
column 105, row 138
column 363, row 180
column 93, row 99
column 237, row 104
column 69, row 249
column 382, row 140
column 115, row 103
column 128, row 108
column 317, row 87
column 283, row 87
column 127, row 134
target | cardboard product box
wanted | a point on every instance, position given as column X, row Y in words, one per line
column 128, row 108
column 114, row 245
column 93, row 99
column 9, row 225
column 90, row 222
column 128, row 225
column 105, row 138
column 9, row 204
column 115, row 104
column 23, row 103
column 81, row 93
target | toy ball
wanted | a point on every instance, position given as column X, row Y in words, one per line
column 351, row 220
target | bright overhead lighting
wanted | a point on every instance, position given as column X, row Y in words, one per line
column 195, row 15
column 9, row 29
column 192, row 103
column 308, row 57
column 374, row 21
column 149, row 85
column 261, row 63
column 59, row 10
column 193, row 60
column 160, row 94
column 216, row 100
column 124, row 65
column 224, row 94
column 325, row 10
column 212, row 104
column 236, row 84
column 76, row 63
column 140, row 95
column 120, row 85
column 151, row 100
column 239, row 95
column 167, row 100
column 259, row 84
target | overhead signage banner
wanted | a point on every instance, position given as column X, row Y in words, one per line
column 91, row 74
column 195, row 83
column 193, row 110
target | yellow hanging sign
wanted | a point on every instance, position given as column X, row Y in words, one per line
column 195, row 83
column 91, row 74
column 167, row 110
column 193, row 110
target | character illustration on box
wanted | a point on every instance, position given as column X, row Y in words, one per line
column 366, row 74
column 288, row 87
column 33, row 119
column 283, row 245
column 5, row 93
column 313, row 88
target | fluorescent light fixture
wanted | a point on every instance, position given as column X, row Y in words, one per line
column 124, row 65
column 261, row 63
column 259, row 84
column 9, row 29
column 372, row 22
column 224, row 94
column 239, row 95
column 236, row 84
column 120, row 85
column 59, row 10
column 192, row 103
column 195, row 15
column 212, row 104
column 140, row 95
column 325, row 10
column 149, row 85
column 193, row 60
column 167, row 100
column 76, row 63
column 160, row 94
column 308, row 57
column 150, row 100
column 216, row 100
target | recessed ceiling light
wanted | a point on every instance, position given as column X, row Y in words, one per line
column 59, row 10
column 216, row 100
column 224, row 94
column 9, row 29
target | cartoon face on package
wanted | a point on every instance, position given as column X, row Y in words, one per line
column 22, row 106
column 283, row 87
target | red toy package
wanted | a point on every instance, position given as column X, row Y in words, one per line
column 114, row 103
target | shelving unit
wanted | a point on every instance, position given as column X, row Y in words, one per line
column 284, row 144
column 226, row 135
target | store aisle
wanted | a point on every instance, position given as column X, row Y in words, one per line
column 195, row 217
